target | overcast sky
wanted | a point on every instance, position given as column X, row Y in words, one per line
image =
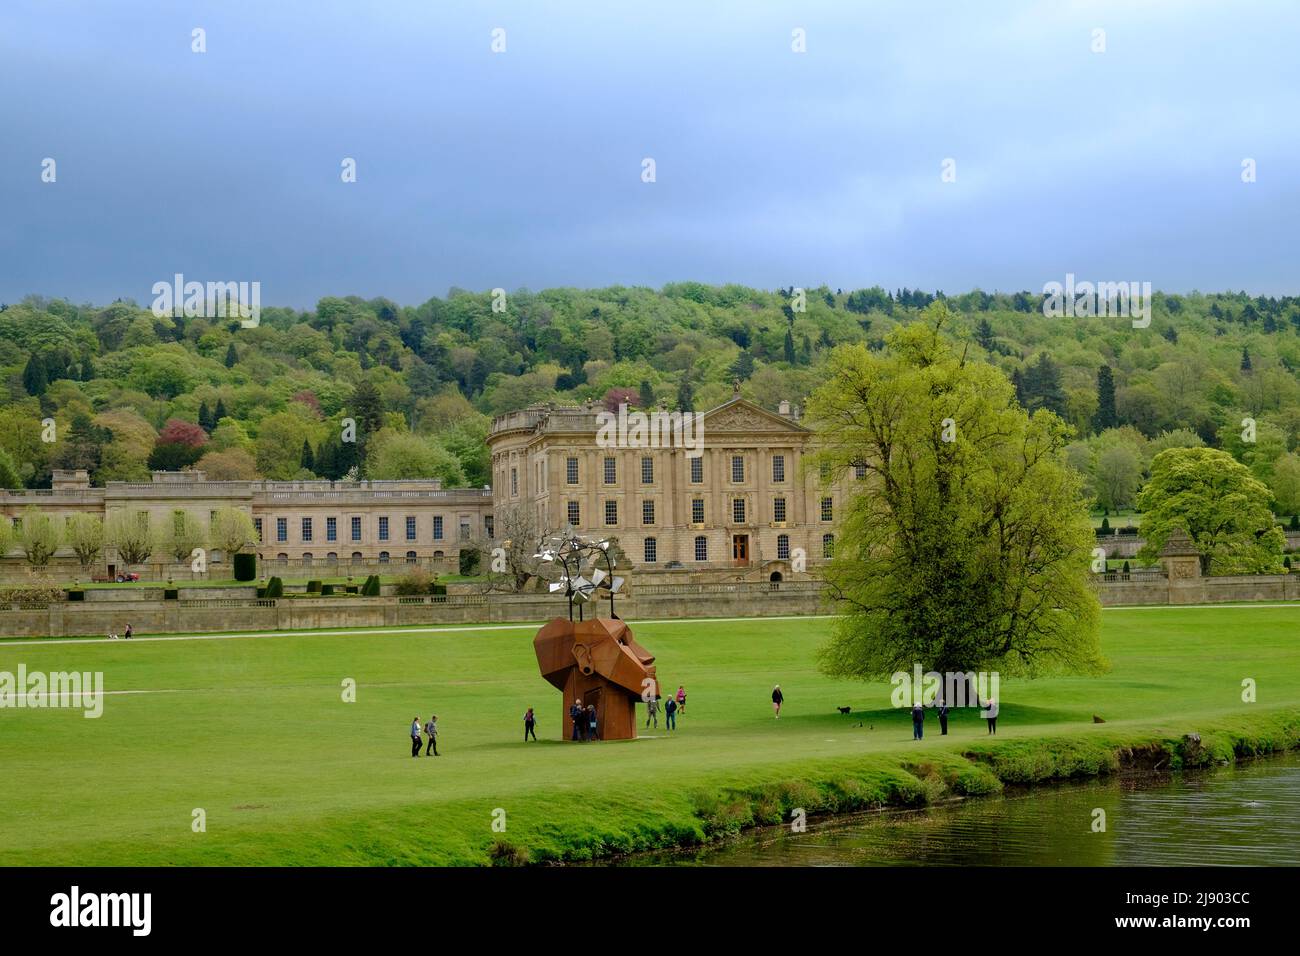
column 524, row 168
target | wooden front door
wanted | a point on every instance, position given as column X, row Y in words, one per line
column 740, row 550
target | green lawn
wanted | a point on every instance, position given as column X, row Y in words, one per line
column 254, row 731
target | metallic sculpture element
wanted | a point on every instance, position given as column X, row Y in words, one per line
column 597, row 662
column 571, row 564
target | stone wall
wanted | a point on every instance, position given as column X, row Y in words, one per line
column 198, row 611
column 205, row 613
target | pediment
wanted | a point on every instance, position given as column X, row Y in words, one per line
column 739, row 415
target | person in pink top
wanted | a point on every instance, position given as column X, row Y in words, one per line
column 681, row 698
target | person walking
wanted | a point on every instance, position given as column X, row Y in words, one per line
column 670, row 714
column 576, row 714
column 942, row 709
column 591, row 722
column 777, row 700
column 530, row 723
column 652, row 711
column 415, row 737
column 918, row 721
column 431, row 728
column 991, row 715
column 128, row 632
column 681, row 698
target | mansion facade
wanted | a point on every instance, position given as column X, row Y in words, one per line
column 303, row 524
column 739, row 503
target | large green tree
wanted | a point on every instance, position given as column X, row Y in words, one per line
column 1221, row 506
column 394, row 455
column 182, row 533
column 39, row 537
column 85, row 536
column 966, row 545
column 131, row 536
column 231, row 531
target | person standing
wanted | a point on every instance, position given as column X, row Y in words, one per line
column 128, row 632
column 991, row 714
column 576, row 714
column 652, row 711
column 670, row 714
column 415, row 737
column 918, row 721
column 431, row 728
column 942, row 709
column 681, row 698
column 530, row 723
column 777, row 700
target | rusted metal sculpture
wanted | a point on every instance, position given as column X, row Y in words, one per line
column 595, row 661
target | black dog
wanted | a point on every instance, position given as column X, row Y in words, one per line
column 844, row 710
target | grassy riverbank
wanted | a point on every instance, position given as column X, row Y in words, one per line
column 254, row 732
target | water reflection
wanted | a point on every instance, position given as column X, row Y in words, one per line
column 1248, row 815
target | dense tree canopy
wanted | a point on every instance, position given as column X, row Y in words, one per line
column 442, row 368
column 966, row 544
column 1221, row 506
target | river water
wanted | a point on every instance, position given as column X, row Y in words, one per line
column 1247, row 814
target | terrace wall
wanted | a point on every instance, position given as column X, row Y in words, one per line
column 199, row 611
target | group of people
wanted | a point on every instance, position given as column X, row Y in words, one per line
column 676, row 704
column 126, row 634
column 584, row 721
column 431, row 731
column 941, row 709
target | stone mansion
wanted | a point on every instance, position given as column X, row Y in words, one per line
column 740, row 504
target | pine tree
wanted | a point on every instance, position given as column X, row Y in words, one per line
column 88, row 369
column 231, row 356
column 1106, row 416
column 743, row 367
column 219, row 413
column 1245, row 360
column 984, row 335
column 308, row 460
column 1051, row 393
column 34, row 377
column 206, row 421
column 685, row 395
column 367, row 408
column 647, row 393
column 1018, row 380
column 789, row 348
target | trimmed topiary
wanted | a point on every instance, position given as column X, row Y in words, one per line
column 245, row 566
column 275, row 588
